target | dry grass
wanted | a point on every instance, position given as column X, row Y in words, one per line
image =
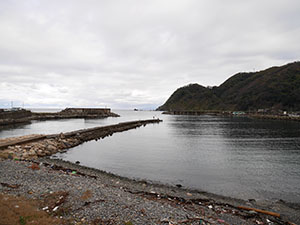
column 86, row 195
column 18, row 210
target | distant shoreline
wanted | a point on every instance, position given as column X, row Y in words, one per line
column 234, row 114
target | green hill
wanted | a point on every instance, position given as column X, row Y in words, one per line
column 273, row 88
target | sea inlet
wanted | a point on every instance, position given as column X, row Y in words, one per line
column 233, row 156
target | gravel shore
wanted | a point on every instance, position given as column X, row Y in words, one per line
column 88, row 196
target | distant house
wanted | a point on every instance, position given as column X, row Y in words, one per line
column 294, row 114
column 238, row 113
column 261, row 110
column 16, row 109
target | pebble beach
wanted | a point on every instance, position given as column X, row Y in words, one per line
column 74, row 194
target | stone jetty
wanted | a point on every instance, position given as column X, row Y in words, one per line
column 34, row 146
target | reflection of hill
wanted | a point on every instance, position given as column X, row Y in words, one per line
column 199, row 126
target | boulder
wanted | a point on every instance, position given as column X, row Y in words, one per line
column 51, row 148
column 41, row 153
column 25, row 155
column 31, row 153
column 48, row 152
column 61, row 136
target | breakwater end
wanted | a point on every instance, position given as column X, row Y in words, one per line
column 38, row 145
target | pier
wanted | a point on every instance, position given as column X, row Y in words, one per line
column 33, row 146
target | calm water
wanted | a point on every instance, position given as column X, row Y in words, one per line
column 236, row 157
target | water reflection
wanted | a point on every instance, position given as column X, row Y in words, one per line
column 14, row 126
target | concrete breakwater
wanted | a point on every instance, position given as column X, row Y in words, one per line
column 69, row 113
column 15, row 116
column 34, row 146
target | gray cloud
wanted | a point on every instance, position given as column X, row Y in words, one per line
column 132, row 53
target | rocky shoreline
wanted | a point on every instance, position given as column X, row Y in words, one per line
column 91, row 196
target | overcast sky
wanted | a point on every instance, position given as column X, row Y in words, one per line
column 136, row 53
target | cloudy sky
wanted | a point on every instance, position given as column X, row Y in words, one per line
column 136, row 53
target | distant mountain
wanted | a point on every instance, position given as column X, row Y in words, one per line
column 273, row 88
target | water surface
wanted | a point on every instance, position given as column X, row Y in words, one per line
column 236, row 157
